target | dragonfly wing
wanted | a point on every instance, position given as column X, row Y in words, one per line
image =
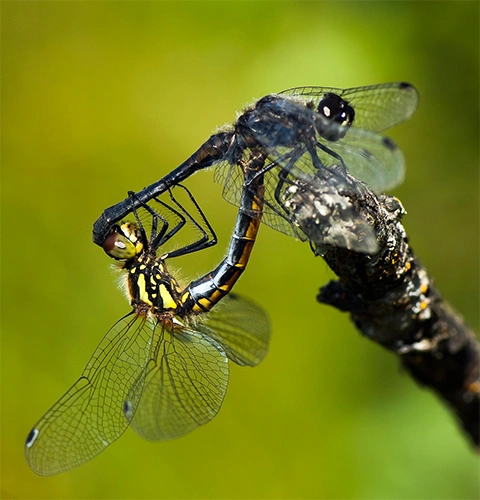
column 368, row 156
column 185, row 384
column 90, row 415
column 231, row 177
column 377, row 107
column 241, row 327
column 273, row 213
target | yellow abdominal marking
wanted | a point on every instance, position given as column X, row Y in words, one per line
column 197, row 309
column 216, row 296
column 204, row 302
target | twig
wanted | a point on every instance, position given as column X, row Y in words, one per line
column 388, row 293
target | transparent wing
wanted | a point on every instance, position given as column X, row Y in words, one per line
column 90, row 415
column 377, row 107
column 241, row 327
column 274, row 214
column 185, row 384
column 370, row 157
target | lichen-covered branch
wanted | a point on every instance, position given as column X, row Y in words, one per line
column 388, row 293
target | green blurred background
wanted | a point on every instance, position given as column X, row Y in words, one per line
column 103, row 97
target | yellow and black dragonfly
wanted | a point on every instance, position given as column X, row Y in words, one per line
column 305, row 133
column 163, row 368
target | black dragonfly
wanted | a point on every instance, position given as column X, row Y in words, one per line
column 303, row 132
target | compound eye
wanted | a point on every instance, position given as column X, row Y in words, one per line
column 338, row 112
column 119, row 247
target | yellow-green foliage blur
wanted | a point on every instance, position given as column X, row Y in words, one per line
column 103, row 97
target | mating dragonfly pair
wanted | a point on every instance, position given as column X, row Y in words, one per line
column 163, row 368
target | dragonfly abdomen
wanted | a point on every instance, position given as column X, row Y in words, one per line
column 205, row 292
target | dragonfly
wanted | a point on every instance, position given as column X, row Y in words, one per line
column 163, row 368
column 303, row 132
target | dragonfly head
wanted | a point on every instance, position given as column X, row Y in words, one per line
column 124, row 242
column 338, row 116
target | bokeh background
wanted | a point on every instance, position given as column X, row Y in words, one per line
column 103, row 97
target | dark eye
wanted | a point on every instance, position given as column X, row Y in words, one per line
column 119, row 247
column 338, row 112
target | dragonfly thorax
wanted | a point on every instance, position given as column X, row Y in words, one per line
column 150, row 286
column 276, row 121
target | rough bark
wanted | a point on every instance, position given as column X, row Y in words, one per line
column 388, row 293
